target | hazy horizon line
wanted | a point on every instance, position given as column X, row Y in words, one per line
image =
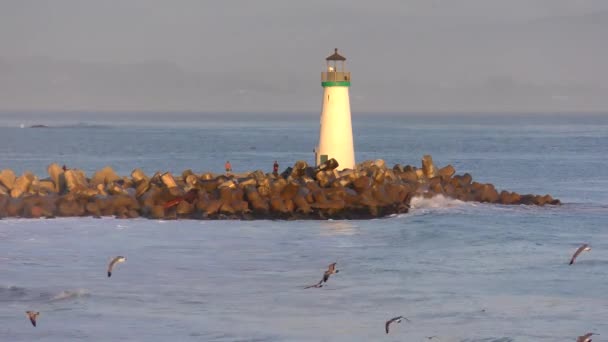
column 279, row 112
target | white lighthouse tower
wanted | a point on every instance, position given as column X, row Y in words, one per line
column 336, row 132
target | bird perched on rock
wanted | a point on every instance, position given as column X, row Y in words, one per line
column 585, row 338
column 32, row 315
column 397, row 319
column 115, row 261
column 584, row 248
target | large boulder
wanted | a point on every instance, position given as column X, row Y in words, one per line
column 168, row 180
column 277, row 205
column 507, row 197
column 325, row 178
column 257, row 203
column 264, row 188
column 289, row 191
column 75, row 180
column 3, row 202
column 428, row 168
column 157, row 212
column 378, row 174
column 208, row 185
column 7, row 178
column 46, row 186
column 124, row 203
column 462, row 181
column 299, row 169
column 104, row 176
column 210, row 207
column 138, row 175
column 409, row 176
column 362, row 183
column 334, row 205
column 14, row 207
column 486, row 193
column 39, row 206
column 185, row 209
column 446, row 172
column 328, row 165
column 277, row 186
column 56, row 174
column 70, row 206
column 301, row 205
column 22, row 184
column 398, row 168
column 380, row 195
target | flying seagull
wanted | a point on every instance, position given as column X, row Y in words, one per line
column 394, row 319
column 585, row 338
column 32, row 315
column 331, row 269
column 584, row 248
column 115, row 261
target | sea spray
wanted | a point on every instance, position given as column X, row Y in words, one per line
column 437, row 201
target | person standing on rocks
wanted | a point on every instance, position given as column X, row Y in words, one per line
column 228, row 167
column 275, row 168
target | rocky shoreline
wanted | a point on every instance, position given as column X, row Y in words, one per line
column 371, row 190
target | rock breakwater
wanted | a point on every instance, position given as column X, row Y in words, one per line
column 370, row 190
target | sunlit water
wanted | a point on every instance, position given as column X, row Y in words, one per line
column 458, row 271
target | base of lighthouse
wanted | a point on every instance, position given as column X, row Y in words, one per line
column 336, row 133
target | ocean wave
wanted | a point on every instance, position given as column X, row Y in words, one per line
column 437, row 201
column 11, row 292
column 490, row 339
column 70, row 294
column 334, row 228
column 586, row 207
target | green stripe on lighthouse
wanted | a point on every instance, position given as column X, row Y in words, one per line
column 336, row 84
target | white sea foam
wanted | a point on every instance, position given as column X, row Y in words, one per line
column 438, row 201
column 71, row 294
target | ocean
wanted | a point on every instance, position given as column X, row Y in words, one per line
column 458, row 271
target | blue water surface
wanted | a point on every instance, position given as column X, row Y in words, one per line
column 458, row 271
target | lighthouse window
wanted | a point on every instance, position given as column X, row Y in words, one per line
column 327, row 97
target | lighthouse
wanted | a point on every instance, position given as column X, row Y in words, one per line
column 336, row 132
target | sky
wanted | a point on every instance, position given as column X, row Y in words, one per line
column 267, row 55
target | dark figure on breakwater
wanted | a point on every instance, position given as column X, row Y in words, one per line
column 275, row 168
column 228, row 167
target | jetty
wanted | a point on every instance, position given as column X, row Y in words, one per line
column 370, row 190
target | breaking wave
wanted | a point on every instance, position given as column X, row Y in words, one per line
column 70, row 294
column 435, row 202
